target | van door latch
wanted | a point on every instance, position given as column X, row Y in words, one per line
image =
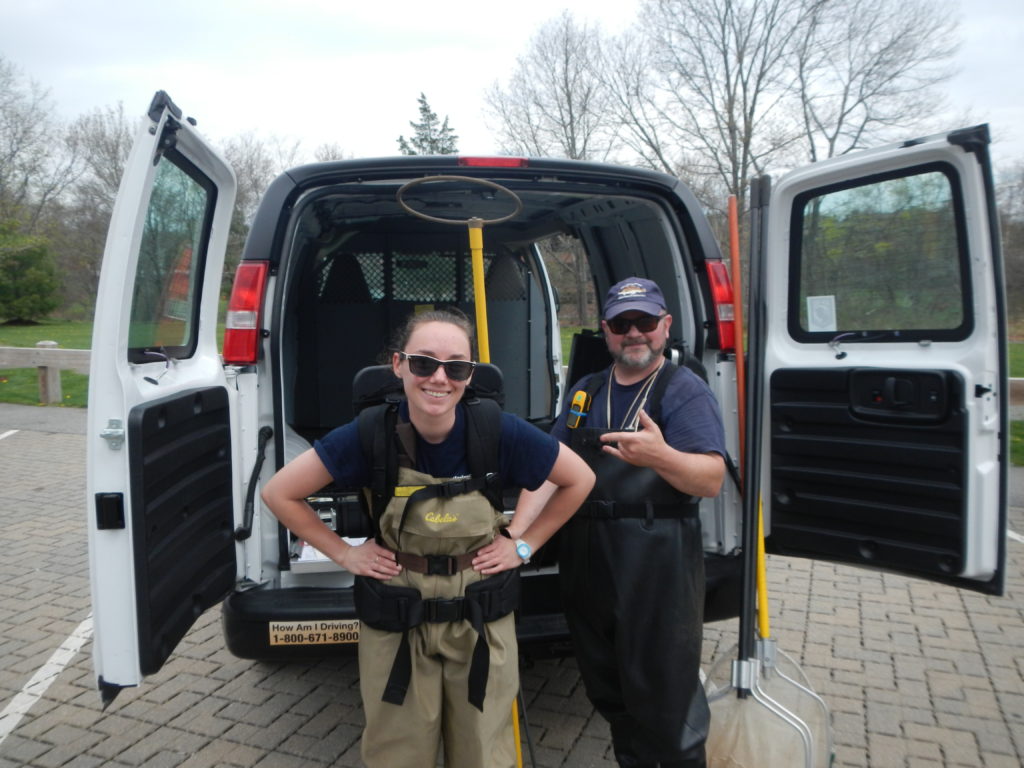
column 113, row 434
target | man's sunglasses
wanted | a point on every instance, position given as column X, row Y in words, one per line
column 424, row 365
column 645, row 324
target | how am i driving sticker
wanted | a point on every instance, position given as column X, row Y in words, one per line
column 314, row 632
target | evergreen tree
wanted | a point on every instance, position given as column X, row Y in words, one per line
column 28, row 277
column 431, row 137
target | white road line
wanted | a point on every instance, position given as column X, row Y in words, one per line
column 46, row 674
column 8, row 433
column 1015, row 536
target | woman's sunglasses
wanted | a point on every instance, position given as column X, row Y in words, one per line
column 645, row 324
column 424, row 365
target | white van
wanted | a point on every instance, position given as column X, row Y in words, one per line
column 876, row 409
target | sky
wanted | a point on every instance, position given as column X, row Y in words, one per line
column 349, row 72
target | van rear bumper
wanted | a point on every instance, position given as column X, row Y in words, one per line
column 311, row 622
column 292, row 623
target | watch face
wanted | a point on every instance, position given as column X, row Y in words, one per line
column 524, row 550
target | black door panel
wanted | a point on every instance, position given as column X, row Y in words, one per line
column 181, row 485
column 862, row 477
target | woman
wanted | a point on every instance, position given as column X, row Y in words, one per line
column 447, row 663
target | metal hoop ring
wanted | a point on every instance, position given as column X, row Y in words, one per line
column 472, row 180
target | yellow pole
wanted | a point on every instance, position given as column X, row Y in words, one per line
column 476, row 250
column 515, row 730
column 764, row 628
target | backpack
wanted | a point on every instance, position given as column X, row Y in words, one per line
column 377, row 396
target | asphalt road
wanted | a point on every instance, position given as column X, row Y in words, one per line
column 915, row 674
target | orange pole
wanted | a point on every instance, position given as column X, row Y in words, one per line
column 737, row 307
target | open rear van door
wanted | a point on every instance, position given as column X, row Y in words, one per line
column 883, row 431
column 161, row 478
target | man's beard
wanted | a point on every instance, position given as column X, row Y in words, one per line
column 637, row 363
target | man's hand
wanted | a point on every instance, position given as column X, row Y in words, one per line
column 641, row 448
column 698, row 474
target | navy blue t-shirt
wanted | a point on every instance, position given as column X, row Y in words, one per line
column 526, row 454
column 690, row 418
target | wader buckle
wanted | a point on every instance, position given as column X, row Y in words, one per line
column 453, row 488
column 441, row 565
column 439, row 610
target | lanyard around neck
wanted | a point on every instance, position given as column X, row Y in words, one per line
column 632, row 416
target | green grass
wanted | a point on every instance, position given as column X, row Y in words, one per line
column 1017, row 443
column 1016, row 357
column 67, row 335
column 21, row 386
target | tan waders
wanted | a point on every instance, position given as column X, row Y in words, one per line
column 441, row 638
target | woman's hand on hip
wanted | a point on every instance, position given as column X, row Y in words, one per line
column 370, row 559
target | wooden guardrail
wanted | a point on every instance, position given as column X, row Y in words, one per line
column 49, row 361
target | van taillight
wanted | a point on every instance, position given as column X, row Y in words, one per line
column 242, row 330
column 494, row 162
column 721, row 298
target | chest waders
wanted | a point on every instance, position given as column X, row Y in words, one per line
column 632, row 570
column 435, row 526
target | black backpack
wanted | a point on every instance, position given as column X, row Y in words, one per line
column 377, row 394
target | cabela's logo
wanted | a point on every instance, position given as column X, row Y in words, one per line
column 441, row 517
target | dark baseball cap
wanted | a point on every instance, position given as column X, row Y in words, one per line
column 634, row 293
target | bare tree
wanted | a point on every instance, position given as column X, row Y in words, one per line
column 864, row 67
column 104, row 137
column 78, row 223
column 555, row 103
column 330, row 151
column 628, row 75
column 720, row 82
column 37, row 161
column 256, row 163
column 1010, row 192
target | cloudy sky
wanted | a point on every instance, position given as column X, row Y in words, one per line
column 349, row 72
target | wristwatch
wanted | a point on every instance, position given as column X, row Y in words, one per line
column 524, row 550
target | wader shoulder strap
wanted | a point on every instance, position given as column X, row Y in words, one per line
column 598, row 381
column 668, row 370
column 595, row 383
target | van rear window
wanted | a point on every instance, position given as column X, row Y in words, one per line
column 881, row 259
column 168, row 282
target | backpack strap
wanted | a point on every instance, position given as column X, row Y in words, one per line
column 377, row 438
column 378, row 431
column 483, row 442
column 598, row 381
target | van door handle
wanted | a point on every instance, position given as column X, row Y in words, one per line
column 898, row 392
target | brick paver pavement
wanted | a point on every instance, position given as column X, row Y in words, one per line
column 915, row 674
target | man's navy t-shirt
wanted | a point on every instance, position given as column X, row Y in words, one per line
column 690, row 418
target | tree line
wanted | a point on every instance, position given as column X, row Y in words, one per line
column 715, row 92
column 718, row 92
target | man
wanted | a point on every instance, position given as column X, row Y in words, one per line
column 631, row 559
